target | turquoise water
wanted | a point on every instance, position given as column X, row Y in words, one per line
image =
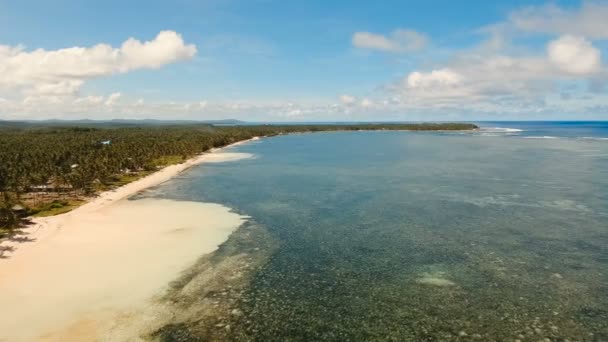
column 418, row 236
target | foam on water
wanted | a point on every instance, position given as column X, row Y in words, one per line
column 594, row 138
column 541, row 137
column 592, row 130
column 494, row 131
column 504, row 130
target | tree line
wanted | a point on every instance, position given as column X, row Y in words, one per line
column 79, row 158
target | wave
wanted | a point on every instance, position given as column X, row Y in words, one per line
column 541, row 137
column 501, row 130
column 517, row 132
column 565, row 137
column 496, row 131
column 593, row 138
column 595, row 155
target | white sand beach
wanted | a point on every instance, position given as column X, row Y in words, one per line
column 105, row 258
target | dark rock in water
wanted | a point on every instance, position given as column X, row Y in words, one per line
column 593, row 313
column 175, row 333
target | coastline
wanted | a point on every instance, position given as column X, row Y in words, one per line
column 44, row 226
column 65, row 282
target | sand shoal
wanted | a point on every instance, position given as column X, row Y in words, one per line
column 109, row 256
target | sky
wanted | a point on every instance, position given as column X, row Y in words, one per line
column 267, row 60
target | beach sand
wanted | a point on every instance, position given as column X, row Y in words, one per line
column 106, row 258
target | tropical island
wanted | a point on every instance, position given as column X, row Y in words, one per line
column 72, row 235
column 303, row 171
column 51, row 168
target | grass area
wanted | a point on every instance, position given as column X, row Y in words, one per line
column 118, row 181
column 168, row 160
column 56, row 207
column 5, row 232
column 123, row 179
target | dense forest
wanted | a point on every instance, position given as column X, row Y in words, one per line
column 48, row 170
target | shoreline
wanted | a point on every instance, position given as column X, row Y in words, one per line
column 44, row 226
column 78, row 271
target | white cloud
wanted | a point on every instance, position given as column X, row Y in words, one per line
column 467, row 99
column 484, row 82
column 117, row 106
column 347, row 100
column 113, row 99
column 400, row 40
column 57, row 88
column 498, row 76
column 366, row 103
column 442, row 77
column 574, row 54
column 94, row 100
column 64, row 71
column 589, row 20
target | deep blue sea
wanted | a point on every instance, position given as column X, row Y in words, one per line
column 495, row 235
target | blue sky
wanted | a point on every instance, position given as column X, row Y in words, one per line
column 305, row 60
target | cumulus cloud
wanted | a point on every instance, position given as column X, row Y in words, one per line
column 442, row 77
column 490, row 82
column 347, row 100
column 574, row 54
column 565, row 73
column 500, row 77
column 479, row 69
column 113, row 99
column 366, row 103
column 116, row 105
column 589, row 20
column 400, row 40
column 64, row 71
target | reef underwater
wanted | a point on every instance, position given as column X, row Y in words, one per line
column 395, row 236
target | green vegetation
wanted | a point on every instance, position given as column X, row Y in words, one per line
column 42, row 166
column 169, row 160
column 55, row 207
column 122, row 179
column 8, row 218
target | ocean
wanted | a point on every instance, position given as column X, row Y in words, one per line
column 551, row 129
column 497, row 234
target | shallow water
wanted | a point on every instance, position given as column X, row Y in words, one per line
column 426, row 236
